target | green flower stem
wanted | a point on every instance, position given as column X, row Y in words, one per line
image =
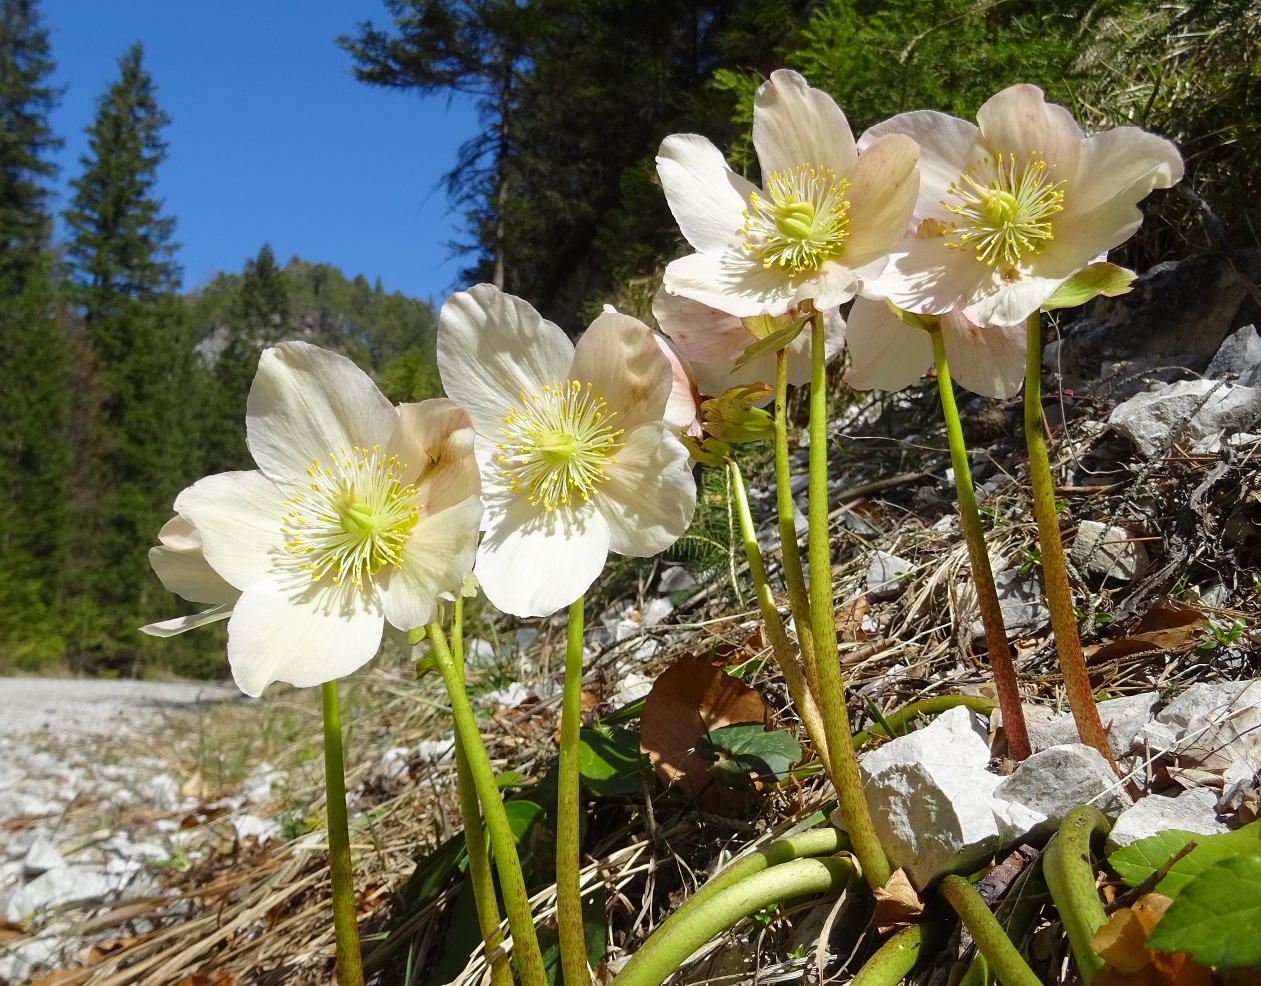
column 924, row 707
column 781, row 647
column 1070, row 876
column 895, row 959
column 573, row 942
column 345, row 926
column 480, row 876
column 794, row 575
column 991, row 939
column 525, row 944
column 982, row 575
column 1018, row 915
column 1054, row 570
column 844, row 774
column 663, row 953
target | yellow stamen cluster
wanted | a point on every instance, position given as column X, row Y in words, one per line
column 353, row 518
column 802, row 221
column 1004, row 208
column 557, row 443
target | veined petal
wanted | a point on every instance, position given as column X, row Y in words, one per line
column 989, row 361
column 1019, row 120
column 436, row 558
column 533, row 562
column 1006, row 302
column 286, row 630
column 794, row 124
column 493, row 347
column 702, row 334
column 684, row 401
column 171, row 628
column 885, row 353
column 646, row 518
column 833, row 284
column 738, row 287
column 944, row 142
column 435, row 438
column 307, row 403
column 707, row 198
column 239, row 516
column 180, row 562
column 884, row 187
column 618, row 356
column 1122, row 163
column 923, row 276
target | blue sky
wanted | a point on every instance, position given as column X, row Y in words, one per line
column 272, row 141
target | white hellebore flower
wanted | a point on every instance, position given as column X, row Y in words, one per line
column 712, row 341
column 576, row 459
column 359, row 513
column 180, row 563
column 1011, row 209
column 886, row 353
column 823, row 213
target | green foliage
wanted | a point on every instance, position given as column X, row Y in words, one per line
column 1136, row 862
column 610, row 762
column 1217, row 916
column 747, row 752
column 411, row 377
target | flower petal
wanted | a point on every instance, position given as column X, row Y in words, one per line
column 171, row 628
column 794, row 124
column 884, row 352
column 702, row 334
column 989, row 361
column 306, row 403
column 882, row 194
column 493, row 347
column 707, row 198
column 944, row 145
column 737, row 286
column 534, row 562
column 180, row 562
column 1019, row 120
column 619, row 358
column 436, row 438
column 649, row 496
column 239, row 516
column 684, row 401
column 306, row 635
column 923, row 276
column 1006, row 302
column 436, row 558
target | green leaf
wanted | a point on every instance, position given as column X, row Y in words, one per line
column 508, row 779
column 610, row 762
column 746, row 752
column 1090, row 282
column 1136, row 862
column 772, row 343
column 521, row 815
column 1217, row 917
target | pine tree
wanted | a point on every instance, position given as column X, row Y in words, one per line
column 136, row 341
column 33, row 386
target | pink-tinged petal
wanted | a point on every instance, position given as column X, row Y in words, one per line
column 685, row 399
column 239, row 516
column 435, row 438
column 884, row 352
column 619, row 358
column 924, row 276
column 1019, row 120
column 795, row 125
column 436, row 558
column 1124, row 163
column 288, row 630
column 533, row 562
column 945, row 144
column 702, row 334
column 180, row 562
column 707, row 198
column 649, row 496
column 181, row 624
column 882, row 193
column 306, row 403
column 989, row 361
column 493, row 347
column 736, row 286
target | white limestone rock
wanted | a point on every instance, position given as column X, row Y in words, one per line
column 251, row 826
column 884, row 574
column 41, row 857
column 956, row 738
column 1123, row 718
column 57, row 886
column 1153, row 420
column 1205, row 697
column 1191, row 811
column 258, row 786
column 675, row 579
column 1054, row 781
column 1109, row 551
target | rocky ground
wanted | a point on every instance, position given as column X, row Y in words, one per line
column 159, row 834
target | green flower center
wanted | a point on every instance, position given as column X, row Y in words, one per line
column 557, row 443
column 800, row 222
column 1005, row 209
column 353, row 518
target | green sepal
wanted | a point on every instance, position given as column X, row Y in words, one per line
column 1104, row 279
column 710, row 452
column 733, row 419
column 925, row 322
column 425, row 665
column 775, row 341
